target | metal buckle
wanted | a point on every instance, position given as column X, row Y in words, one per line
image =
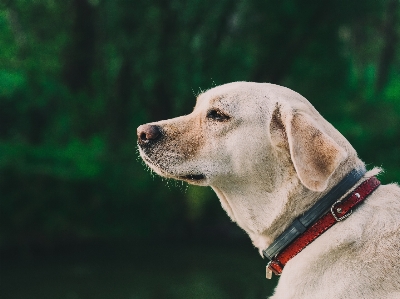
column 269, row 272
column 338, row 210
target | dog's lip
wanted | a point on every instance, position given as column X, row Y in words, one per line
column 193, row 177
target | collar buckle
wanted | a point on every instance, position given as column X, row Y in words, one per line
column 335, row 210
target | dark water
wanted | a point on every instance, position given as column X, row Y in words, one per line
column 137, row 271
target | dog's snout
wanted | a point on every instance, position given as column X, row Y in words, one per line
column 147, row 133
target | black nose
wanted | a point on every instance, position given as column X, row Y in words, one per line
column 147, row 133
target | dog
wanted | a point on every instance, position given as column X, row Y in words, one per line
column 270, row 157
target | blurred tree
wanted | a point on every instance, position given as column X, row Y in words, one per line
column 80, row 53
column 78, row 76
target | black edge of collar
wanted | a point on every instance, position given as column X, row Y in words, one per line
column 300, row 224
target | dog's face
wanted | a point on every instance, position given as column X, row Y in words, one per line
column 215, row 143
column 236, row 128
column 257, row 145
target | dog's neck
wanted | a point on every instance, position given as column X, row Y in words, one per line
column 264, row 213
column 326, row 202
column 311, row 225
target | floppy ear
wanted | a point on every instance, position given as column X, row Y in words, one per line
column 315, row 155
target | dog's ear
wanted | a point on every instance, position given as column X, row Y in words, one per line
column 315, row 155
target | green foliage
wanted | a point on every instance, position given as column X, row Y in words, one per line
column 78, row 77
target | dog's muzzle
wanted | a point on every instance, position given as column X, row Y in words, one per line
column 155, row 154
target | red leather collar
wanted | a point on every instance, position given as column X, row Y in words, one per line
column 339, row 211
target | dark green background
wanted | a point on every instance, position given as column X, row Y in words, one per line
column 80, row 216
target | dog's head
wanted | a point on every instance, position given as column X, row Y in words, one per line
column 248, row 140
column 237, row 127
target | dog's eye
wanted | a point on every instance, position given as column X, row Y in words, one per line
column 217, row 115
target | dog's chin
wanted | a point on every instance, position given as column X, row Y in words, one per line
column 191, row 178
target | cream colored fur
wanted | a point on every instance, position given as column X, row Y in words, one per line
column 268, row 163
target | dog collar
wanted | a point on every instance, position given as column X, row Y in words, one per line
column 306, row 228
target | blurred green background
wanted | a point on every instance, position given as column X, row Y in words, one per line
column 80, row 216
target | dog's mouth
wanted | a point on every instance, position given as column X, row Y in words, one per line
column 190, row 178
column 193, row 177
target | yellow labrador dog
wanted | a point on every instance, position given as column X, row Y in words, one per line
column 273, row 161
